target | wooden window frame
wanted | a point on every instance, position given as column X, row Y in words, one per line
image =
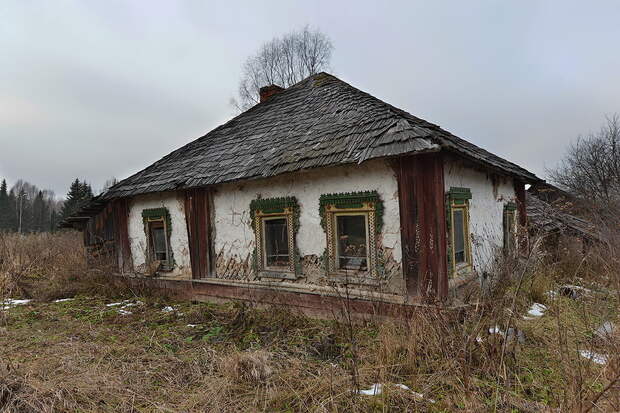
column 155, row 215
column 287, row 216
column 510, row 209
column 337, row 254
column 275, row 208
column 458, row 199
column 153, row 252
column 368, row 204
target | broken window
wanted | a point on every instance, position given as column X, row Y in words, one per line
column 276, row 242
column 157, row 228
column 159, row 244
column 458, row 227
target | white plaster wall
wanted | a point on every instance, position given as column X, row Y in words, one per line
column 178, row 235
column 233, row 231
column 486, row 209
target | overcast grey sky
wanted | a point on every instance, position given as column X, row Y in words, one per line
column 95, row 89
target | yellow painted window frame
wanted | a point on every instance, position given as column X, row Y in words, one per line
column 467, row 266
column 335, row 216
column 368, row 209
column 259, row 226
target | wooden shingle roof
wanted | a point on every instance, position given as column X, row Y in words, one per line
column 320, row 121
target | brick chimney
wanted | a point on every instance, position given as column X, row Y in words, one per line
column 268, row 91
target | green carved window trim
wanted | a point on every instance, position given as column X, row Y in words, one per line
column 367, row 202
column 159, row 214
column 458, row 198
column 287, row 207
column 353, row 200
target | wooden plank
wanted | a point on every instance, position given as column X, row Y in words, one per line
column 197, row 217
column 408, row 219
column 121, row 217
column 521, row 216
column 423, row 224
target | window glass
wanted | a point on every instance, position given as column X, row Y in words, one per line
column 158, row 237
column 351, row 236
column 276, row 242
column 458, row 217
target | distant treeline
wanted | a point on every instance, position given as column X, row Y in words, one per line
column 24, row 208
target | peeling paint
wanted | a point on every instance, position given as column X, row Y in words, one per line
column 235, row 241
column 178, row 236
column 486, row 208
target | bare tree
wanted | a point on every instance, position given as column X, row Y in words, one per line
column 283, row 61
column 591, row 166
column 109, row 183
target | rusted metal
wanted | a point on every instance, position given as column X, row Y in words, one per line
column 197, row 217
column 423, row 224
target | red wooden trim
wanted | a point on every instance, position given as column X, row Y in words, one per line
column 307, row 302
column 197, row 217
column 121, row 217
column 408, row 218
column 423, row 224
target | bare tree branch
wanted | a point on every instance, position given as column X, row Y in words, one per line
column 283, row 61
column 591, row 167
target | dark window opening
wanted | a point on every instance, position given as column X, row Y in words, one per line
column 458, row 218
column 276, row 243
column 159, row 242
column 509, row 231
column 351, row 242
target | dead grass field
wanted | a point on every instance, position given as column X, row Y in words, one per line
column 156, row 354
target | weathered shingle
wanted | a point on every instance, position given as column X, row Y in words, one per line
column 318, row 122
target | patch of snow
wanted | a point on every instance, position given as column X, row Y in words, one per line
column 167, row 309
column 10, row 302
column 479, row 339
column 537, row 310
column 377, row 389
column 62, row 300
column 125, row 303
column 123, row 312
column 510, row 334
column 592, row 356
column 192, row 325
column 551, row 294
column 374, row 390
column 606, row 330
column 133, row 304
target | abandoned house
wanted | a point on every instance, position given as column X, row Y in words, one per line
column 318, row 190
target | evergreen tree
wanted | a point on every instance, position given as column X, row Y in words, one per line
column 79, row 194
column 40, row 213
column 12, row 212
column 53, row 221
column 5, row 210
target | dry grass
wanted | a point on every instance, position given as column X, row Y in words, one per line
column 82, row 355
